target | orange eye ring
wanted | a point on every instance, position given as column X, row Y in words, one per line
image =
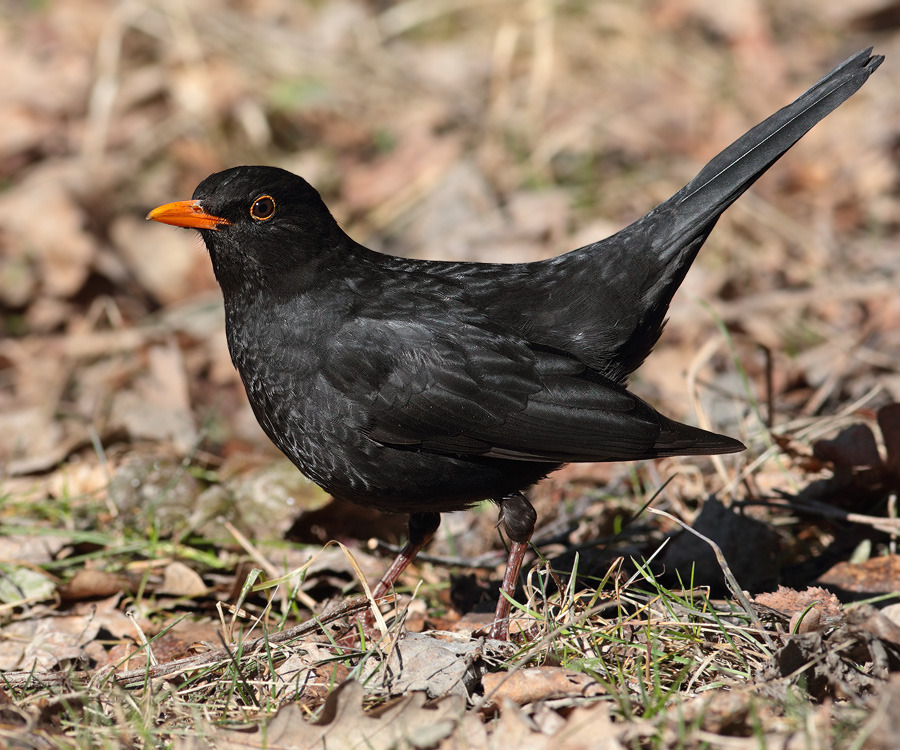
column 263, row 208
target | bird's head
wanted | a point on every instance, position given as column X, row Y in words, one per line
column 256, row 222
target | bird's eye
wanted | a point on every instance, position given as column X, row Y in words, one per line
column 263, row 208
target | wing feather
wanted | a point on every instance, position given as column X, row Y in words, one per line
column 462, row 388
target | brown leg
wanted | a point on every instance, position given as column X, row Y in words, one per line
column 517, row 517
column 500, row 626
column 421, row 529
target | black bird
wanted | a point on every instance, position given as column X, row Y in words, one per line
column 423, row 387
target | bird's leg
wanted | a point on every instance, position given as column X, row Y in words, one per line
column 421, row 529
column 517, row 516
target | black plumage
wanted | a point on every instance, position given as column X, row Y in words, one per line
column 423, row 387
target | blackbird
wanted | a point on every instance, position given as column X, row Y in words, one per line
column 423, row 387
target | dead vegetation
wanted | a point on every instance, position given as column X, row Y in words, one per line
column 163, row 580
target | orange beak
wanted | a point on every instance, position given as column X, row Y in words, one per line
column 186, row 214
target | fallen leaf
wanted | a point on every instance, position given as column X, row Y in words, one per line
column 35, row 549
column 748, row 545
column 878, row 575
column 24, row 584
column 308, row 675
column 90, row 584
column 589, row 728
column 343, row 725
column 158, row 407
column 884, row 708
column 539, row 683
column 853, row 447
column 790, row 602
column 164, row 263
column 57, row 640
column 181, row 580
column 62, row 248
column 421, row 662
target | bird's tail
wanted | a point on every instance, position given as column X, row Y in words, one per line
column 678, row 439
column 735, row 169
column 667, row 240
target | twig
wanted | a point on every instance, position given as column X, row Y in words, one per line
column 139, row 677
column 879, row 523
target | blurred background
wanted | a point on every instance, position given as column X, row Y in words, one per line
column 458, row 129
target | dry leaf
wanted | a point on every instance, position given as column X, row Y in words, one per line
column 878, row 575
column 58, row 640
column 419, row 662
column 539, row 683
column 91, row 584
column 343, row 725
column 158, row 407
column 62, row 248
column 180, row 580
column 164, row 263
column 884, row 709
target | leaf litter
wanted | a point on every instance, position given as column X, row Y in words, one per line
column 146, row 519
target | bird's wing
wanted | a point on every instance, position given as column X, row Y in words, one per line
column 461, row 387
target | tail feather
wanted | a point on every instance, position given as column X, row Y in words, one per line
column 663, row 244
column 606, row 302
column 678, row 439
column 736, row 168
